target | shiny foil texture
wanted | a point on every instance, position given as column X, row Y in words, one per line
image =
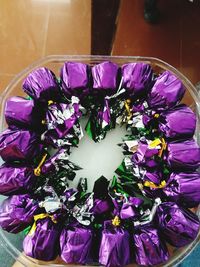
column 137, row 77
column 167, row 91
column 22, row 113
column 75, row 244
column 17, row 145
column 60, row 119
column 105, row 77
column 43, row 244
column 183, row 155
column 144, row 156
column 178, row 122
column 179, row 226
column 75, row 79
column 149, row 248
column 16, row 213
column 16, row 179
column 115, row 247
column 184, row 188
column 41, row 84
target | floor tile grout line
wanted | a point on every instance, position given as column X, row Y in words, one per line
column 46, row 33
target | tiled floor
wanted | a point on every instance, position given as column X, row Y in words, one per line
column 174, row 39
column 31, row 29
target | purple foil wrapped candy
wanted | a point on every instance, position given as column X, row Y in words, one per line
column 179, row 226
column 137, row 77
column 21, row 112
column 115, row 246
column 100, row 206
column 75, row 79
column 41, row 84
column 153, row 184
column 149, row 248
column 42, row 242
column 167, row 91
column 184, row 188
column 16, row 213
column 60, row 120
column 16, row 179
column 18, row 145
column 105, row 77
column 53, row 163
column 178, row 122
column 144, row 156
column 183, row 155
column 75, row 244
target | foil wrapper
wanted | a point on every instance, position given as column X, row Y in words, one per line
column 145, row 154
column 75, row 79
column 61, row 120
column 16, row 179
column 183, row 155
column 41, row 84
column 149, row 248
column 178, row 122
column 179, row 226
column 115, row 242
column 17, row 145
column 22, row 113
column 75, row 244
column 42, row 243
column 17, row 212
column 100, row 122
column 166, row 92
column 184, row 188
column 137, row 78
column 105, row 77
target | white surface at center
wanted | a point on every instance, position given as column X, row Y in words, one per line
column 98, row 159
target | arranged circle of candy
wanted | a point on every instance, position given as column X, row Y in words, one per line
column 147, row 203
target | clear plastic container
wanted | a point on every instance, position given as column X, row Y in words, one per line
column 13, row 243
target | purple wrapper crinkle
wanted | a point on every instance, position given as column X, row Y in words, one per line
column 18, row 145
column 43, row 243
column 21, row 112
column 75, row 244
column 105, row 77
column 16, row 179
column 100, row 206
column 144, row 156
column 60, row 119
column 137, row 77
column 183, row 155
column 178, row 122
column 154, row 176
column 179, row 226
column 16, row 213
column 149, row 248
column 41, row 84
column 167, row 91
column 75, row 79
column 115, row 247
column 184, row 188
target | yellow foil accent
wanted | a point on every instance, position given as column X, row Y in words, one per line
column 116, row 221
column 152, row 185
column 155, row 143
column 37, row 171
column 163, row 147
column 128, row 109
column 156, row 115
column 40, row 217
column 43, row 122
column 50, row 102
